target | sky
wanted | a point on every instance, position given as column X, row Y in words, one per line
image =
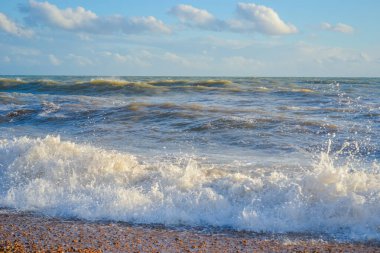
column 190, row 38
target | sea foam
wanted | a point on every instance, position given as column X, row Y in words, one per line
column 66, row 179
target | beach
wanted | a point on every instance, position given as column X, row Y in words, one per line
column 26, row 232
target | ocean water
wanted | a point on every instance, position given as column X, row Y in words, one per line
column 272, row 155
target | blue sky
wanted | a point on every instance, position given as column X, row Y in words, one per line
column 203, row 38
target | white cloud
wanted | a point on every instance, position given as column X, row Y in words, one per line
column 150, row 23
column 144, row 58
column 84, row 37
column 82, row 20
column 365, row 57
column 54, row 60
column 69, row 19
column 121, row 58
column 195, row 17
column 332, row 55
column 80, row 60
column 226, row 43
column 6, row 59
column 172, row 57
column 250, row 18
column 264, row 19
column 141, row 59
column 11, row 27
column 340, row 27
column 240, row 61
column 24, row 51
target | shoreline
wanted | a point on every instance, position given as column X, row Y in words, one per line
column 27, row 232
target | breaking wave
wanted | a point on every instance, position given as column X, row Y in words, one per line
column 63, row 178
column 11, row 81
column 107, row 85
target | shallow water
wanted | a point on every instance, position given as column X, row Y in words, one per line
column 283, row 155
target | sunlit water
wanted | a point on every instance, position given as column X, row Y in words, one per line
column 280, row 155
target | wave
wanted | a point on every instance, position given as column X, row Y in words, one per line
column 118, row 82
column 97, row 85
column 19, row 112
column 169, row 85
column 207, row 88
column 11, row 81
column 16, row 81
column 107, row 81
column 259, row 84
column 167, row 82
column 194, row 107
column 294, row 90
column 304, row 90
column 284, row 125
column 6, row 98
column 63, row 178
column 49, row 108
column 212, row 82
column 101, row 85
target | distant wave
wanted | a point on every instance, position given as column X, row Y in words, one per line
column 158, row 83
column 99, row 85
column 11, row 81
column 106, row 85
column 46, row 81
column 117, row 82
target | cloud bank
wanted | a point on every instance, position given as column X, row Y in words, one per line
column 250, row 18
column 264, row 19
column 340, row 27
column 10, row 27
column 82, row 20
column 195, row 17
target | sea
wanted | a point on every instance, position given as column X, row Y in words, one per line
column 263, row 155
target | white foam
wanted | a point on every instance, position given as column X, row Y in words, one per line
column 49, row 108
column 68, row 179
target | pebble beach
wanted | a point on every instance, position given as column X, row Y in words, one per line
column 25, row 232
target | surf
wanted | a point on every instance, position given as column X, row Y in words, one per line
column 67, row 179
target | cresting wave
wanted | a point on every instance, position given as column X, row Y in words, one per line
column 99, row 86
column 63, row 178
column 72, row 85
column 14, row 81
column 155, row 83
column 120, row 82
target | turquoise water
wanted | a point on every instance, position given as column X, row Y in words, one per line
column 260, row 154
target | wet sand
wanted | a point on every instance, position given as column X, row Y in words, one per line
column 25, row 232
